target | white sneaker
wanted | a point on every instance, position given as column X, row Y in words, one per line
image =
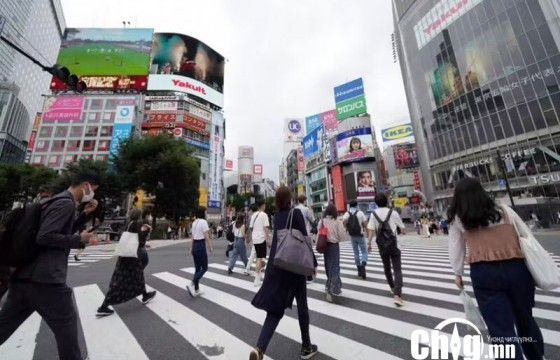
column 258, row 280
column 398, row 301
column 247, row 272
column 192, row 292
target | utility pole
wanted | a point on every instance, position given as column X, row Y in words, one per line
column 504, row 174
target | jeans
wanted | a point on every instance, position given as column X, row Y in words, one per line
column 273, row 319
column 143, row 257
column 239, row 250
column 393, row 256
column 359, row 245
column 55, row 304
column 200, row 261
column 505, row 292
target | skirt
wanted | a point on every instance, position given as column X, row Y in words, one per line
column 332, row 268
column 127, row 281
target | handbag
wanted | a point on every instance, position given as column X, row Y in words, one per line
column 472, row 313
column 128, row 244
column 539, row 262
column 294, row 251
column 322, row 242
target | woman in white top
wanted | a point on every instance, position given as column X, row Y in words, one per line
column 336, row 233
column 502, row 283
column 239, row 249
column 201, row 239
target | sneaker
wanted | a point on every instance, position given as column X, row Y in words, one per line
column 104, row 311
column 398, row 301
column 149, row 296
column 229, row 271
column 192, row 292
column 328, row 297
column 246, row 272
column 256, row 354
column 309, row 353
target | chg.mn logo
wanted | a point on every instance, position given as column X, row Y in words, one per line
column 438, row 344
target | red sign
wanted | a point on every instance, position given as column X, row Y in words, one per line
column 257, row 169
column 136, row 82
column 339, row 201
column 177, row 131
column 229, row 165
column 195, row 123
column 417, row 185
column 162, row 117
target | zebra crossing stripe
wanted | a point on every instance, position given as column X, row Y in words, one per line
column 21, row 345
column 106, row 338
column 212, row 341
column 329, row 343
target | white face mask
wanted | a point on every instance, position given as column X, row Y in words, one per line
column 88, row 197
column 149, row 218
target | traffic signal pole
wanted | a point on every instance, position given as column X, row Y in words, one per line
column 31, row 58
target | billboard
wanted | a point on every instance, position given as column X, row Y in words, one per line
column 161, row 118
column 300, row 163
column 293, row 130
column 189, row 86
column 178, row 54
column 246, row 152
column 228, row 165
column 355, row 144
column 329, row 120
column 313, row 142
column 162, row 105
column 134, row 82
column 122, row 128
column 203, row 196
column 339, row 200
column 406, row 156
column 397, row 132
column 215, row 193
column 365, row 184
column 64, row 108
column 351, row 107
column 32, row 137
column 194, row 124
column 257, row 169
column 349, row 90
column 312, row 123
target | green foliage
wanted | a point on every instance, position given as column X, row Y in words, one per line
column 18, row 182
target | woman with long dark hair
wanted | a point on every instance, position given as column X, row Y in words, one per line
column 336, row 233
column 201, row 240
column 503, row 285
column 239, row 249
column 280, row 287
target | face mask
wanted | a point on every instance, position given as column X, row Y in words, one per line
column 150, row 218
column 88, row 197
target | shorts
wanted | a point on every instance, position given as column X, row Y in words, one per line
column 260, row 249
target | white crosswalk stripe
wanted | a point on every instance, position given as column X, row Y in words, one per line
column 88, row 257
column 362, row 323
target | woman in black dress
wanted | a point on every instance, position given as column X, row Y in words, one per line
column 280, row 287
column 128, row 278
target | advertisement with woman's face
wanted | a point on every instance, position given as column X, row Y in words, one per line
column 365, row 184
column 354, row 144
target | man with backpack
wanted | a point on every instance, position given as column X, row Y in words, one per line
column 39, row 282
column 355, row 221
column 383, row 222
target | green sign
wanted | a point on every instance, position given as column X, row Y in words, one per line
column 351, row 107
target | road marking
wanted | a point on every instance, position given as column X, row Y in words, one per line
column 21, row 345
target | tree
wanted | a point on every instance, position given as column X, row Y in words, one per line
column 162, row 166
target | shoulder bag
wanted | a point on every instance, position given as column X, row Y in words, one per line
column 322, row 241
column 128, row 244
column 294, row 252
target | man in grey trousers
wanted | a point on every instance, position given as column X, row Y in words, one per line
column 41, row 285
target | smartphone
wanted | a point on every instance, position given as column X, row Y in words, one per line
column 94, row 228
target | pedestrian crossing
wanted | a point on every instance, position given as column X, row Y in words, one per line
column 362, row 323
column 88, row 257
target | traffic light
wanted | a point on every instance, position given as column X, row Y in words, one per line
column 63, row 74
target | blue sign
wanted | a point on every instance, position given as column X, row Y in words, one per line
column 213, row 204
column 349, row 90
column 371, row 207
column 121, row 131
column 313, row 142
column 197, row 143
column 501, row 182
column 124, row 112
column 294, row 126
column 312, row 123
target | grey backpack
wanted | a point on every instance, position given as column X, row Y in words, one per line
column 294, row 251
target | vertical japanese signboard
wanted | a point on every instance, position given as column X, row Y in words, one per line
column 122, row 127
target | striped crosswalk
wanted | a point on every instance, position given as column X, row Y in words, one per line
column 362, row 323
column 88, row 257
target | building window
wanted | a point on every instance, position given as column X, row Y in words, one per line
column 61, row 131
column 76, row 131
column 89, row 145
column 37, row 160
column 106, row 130
column 73, row 145
column 110, row 104
column 93, row 117
column 58, row 145
column 68, row 159
column 101, row 157
column 108, row 117
column 42, row 145
column 86, row 157
column 91, row 131
column 96, row 104
column 103, row 145
column 46, row 131
column 54, row 160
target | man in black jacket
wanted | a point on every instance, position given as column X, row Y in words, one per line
column 41, row 285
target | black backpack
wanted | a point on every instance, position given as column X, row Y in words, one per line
column 18, row 232
column 354, row 227
column 229, row 233
column 385, row 237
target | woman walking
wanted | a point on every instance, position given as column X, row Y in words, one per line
column 127, row 281
column 280, row 287
column 336, row 233
column 503, row 285
column 239, row 249
column 201, row 239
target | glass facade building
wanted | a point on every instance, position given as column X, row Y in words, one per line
column 482, row 81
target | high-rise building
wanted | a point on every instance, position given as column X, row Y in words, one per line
column 482, row 80
column 36, row 26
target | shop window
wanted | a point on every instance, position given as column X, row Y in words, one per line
column 106, row 130
column 61, row 131
column 91, row 131
column 58, row 145
column 46, row 131
column 42, row 145
column 88, row 145
column 76, row 131
column 73, row 145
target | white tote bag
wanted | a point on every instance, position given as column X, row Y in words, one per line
column 128, row 244
column 472, row 313
column 541, row 265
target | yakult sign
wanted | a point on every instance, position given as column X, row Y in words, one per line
column 184, row 84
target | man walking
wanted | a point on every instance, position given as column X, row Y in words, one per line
column 41, row 285
column 259, row 233
column 383, row 223
column 355, row 221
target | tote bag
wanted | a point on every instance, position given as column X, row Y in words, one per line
column 294, row 252
column 472, row 313
column 322, row 242
column 128, row 244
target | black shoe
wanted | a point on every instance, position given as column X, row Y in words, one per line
column 104, row 311
column 309, row 353
column 76, row 258
column 229, row 271
column 364, row 270
column 149, row 296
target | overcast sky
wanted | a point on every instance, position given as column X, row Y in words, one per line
column 284, row 57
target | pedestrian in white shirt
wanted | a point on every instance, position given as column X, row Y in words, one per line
column 391, row 254
column 503, row 286
column 201, row 240
column 260, row 231
column 355, row 221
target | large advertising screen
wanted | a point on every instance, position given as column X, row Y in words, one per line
column 178, row 54
column 406, row 156
column 106, row 58
column 313, row 142
column 63, row 108
column 355, row 144
column 365, row 184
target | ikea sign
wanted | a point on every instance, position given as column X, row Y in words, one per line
column 397, row 132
